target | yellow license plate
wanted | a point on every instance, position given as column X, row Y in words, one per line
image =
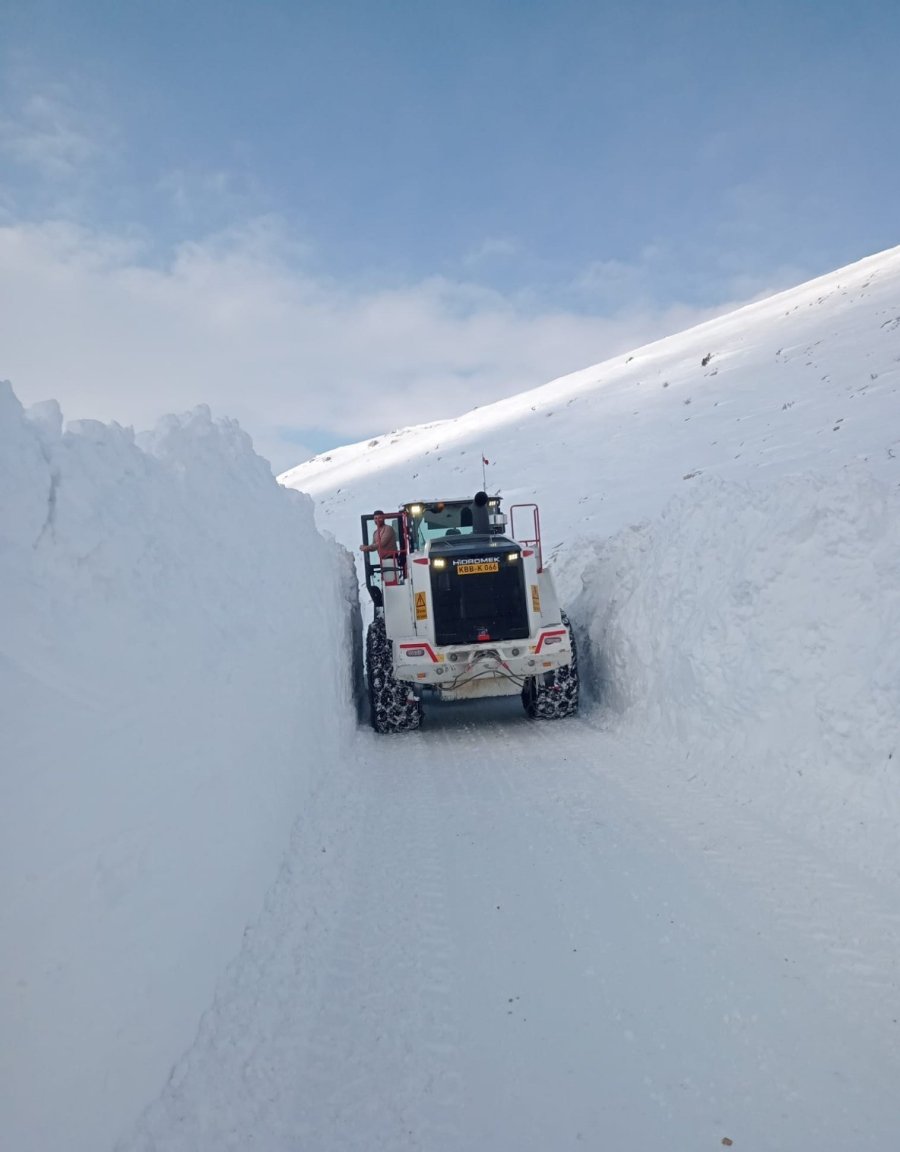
column 477, row 569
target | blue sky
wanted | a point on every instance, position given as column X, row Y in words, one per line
column 476, row 197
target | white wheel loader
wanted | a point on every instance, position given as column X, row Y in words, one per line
column 464, row 610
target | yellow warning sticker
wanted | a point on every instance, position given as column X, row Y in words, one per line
column 535, row 599
column 421, row 606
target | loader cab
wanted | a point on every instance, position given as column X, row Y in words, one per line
column 447, row 519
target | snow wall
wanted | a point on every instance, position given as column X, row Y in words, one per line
column 174, row 676
column 753, row 630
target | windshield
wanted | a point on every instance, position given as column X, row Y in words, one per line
column 440, row 519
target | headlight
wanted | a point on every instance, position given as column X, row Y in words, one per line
column 512, row 556
column 439, row 562
column 415, row 509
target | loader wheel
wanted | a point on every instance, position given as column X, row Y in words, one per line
column 555, row 694
column 391, row 707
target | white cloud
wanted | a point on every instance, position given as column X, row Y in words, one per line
column 491, row 249
column 113, row 330
column 201, row 198
column 729, row 267
column 611, row 281
column 232, row 322
column 45, row 132
column 59, row 147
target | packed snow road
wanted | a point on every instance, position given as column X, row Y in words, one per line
column 499, row 934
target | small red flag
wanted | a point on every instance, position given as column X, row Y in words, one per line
column 484, row 460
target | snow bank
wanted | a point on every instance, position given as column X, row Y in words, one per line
column 173, row 679
column 753, row 628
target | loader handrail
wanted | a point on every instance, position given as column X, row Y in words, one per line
column 533, row 541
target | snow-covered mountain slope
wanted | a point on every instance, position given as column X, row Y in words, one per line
column 722, row 510
column 173, row 680
column 808, row 379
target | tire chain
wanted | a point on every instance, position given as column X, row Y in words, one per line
column 390, row 706
column 554, row 696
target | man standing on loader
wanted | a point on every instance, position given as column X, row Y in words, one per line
column 384, row 542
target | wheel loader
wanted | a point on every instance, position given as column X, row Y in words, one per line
column 464, row 610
